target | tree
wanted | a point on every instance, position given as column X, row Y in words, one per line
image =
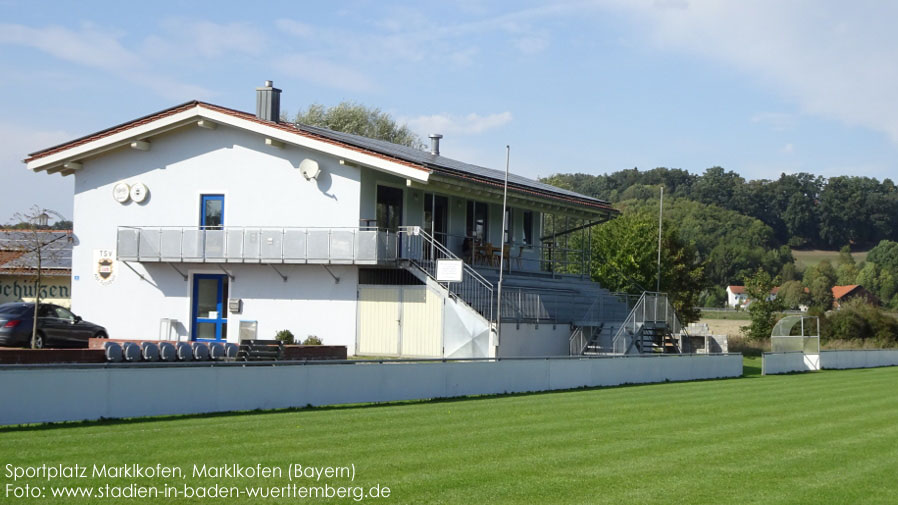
column 624, row 258
column 763, row 307
column 792, row 295
column 350, row 117
column 37, row 243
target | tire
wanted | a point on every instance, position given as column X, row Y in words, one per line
column 101, row 334
column 40, row 340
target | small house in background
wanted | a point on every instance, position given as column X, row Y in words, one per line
column 844, row 293
column 736, row 296
column 19, row 265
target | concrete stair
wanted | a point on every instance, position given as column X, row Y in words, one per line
column 562, row 299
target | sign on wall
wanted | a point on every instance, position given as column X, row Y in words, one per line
column 449, row 270
column 104, row 266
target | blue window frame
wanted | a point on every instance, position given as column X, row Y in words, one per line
column 209, row 322
column 212, row 211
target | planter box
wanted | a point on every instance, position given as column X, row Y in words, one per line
column 299, row 352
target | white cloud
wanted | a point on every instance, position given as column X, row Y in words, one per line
column 836, row 60
column 295, row 28
column 100, row 49
column 21, row 188
column 777, row 121
column 788, row 149
column 457, row 125
column 88, row 46
column 532, row 44
column 187, row 39
column 323, row 72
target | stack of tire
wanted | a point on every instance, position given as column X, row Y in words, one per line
column 169, row 352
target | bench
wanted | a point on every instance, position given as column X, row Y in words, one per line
column 260, row 350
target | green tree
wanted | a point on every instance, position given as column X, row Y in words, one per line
column 763, row 307
column 624, row 258
column 820, row 280
column 350, row 117
column 792, row 295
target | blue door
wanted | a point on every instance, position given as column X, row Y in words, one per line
column 210, row 291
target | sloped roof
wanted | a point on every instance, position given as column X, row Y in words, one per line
column 407, row 156
column 736, row 290
column 17, row 252
column 840, row 291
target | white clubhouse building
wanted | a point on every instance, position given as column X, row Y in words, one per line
column 201, row 222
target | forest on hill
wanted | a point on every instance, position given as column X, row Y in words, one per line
column 722, row 229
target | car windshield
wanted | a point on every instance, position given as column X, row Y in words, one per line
column 15, row 308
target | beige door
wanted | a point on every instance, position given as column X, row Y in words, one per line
column 379, row 313
column 422, row 322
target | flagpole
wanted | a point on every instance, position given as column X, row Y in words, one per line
column 502, row 248
column 660, row 212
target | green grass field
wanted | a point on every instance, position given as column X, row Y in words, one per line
column 827, row 437
column 809, row 258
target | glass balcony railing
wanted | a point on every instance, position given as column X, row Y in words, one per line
column 347, row 246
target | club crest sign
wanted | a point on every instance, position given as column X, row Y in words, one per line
column 104, row 266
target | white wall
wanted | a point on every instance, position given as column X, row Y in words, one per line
column 785, row 362
column 47, row 394
column 534, row 340
column 262, row 187
column 866, row 358
column 798, row 362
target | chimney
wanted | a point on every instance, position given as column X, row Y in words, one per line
column 435, row 143
column 268, row 102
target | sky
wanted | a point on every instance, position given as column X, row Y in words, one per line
column 760, row 88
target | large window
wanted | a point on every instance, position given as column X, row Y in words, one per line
column 528, row 227
column 389, row 208
column 477, row 221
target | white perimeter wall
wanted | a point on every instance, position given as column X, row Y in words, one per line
column 775, row 363
column 262, row 187
column 32, row 395
column 859, row 359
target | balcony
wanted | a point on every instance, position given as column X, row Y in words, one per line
column 331, row 246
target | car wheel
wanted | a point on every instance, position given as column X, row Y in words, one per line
column 39, row 340
column 101, row 334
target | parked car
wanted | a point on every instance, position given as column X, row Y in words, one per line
column 56, row 326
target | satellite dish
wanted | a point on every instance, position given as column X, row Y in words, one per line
column 309, row 169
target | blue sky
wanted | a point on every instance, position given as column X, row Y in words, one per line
column 760, row 87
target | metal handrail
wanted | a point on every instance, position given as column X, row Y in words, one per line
column 646, row 310
column 422, row 251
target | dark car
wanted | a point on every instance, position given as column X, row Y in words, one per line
column 56, row 326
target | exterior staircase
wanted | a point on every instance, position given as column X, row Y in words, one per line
column 651, row 327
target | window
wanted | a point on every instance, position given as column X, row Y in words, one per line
column 528, row 227
column 212, row 211
column 477, row 221
column 389, row 208
column 509, row 225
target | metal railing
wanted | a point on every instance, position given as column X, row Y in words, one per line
column 650, row 308
column 175, row 244
column 526, row 305
column 577, row 342
column 518, row 256
column 417, row 246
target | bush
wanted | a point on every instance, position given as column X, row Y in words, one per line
column 285, row 336
column 311, row 340
column 857, row 319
